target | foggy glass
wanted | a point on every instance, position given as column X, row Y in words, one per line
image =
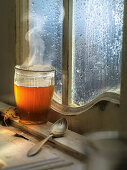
column 46, row 19
column 97, row 43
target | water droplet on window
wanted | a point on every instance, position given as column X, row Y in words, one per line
column 97, row 48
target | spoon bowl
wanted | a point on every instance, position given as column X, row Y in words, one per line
column 58, row 129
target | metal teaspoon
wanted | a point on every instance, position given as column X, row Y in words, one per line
column 57, row 130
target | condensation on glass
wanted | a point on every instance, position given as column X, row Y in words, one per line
column 46, row 19
column 97, row 43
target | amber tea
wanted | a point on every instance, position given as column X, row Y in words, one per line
column 33, row 94
column 33, row 102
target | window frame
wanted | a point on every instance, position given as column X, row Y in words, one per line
column 123, row 89
column 67, row 53
column 22, row 27
column 22, row 49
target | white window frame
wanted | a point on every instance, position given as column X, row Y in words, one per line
column 22, row 51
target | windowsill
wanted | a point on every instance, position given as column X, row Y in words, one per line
column 72, row 142
column 103, row 116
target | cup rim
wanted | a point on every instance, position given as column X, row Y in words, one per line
column 26, row 68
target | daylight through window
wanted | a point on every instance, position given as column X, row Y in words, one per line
column 96, row 45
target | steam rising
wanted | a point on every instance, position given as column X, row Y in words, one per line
column 36, row 43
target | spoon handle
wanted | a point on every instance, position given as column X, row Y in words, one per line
column 37, row 147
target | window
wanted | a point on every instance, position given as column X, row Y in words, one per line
column 83, row 41
column 97, row 37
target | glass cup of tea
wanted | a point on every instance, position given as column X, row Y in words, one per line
column 33, row 89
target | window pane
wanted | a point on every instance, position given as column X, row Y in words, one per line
column 46, row 19
column 97, row 43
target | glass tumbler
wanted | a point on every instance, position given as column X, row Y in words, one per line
column 33, row 88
